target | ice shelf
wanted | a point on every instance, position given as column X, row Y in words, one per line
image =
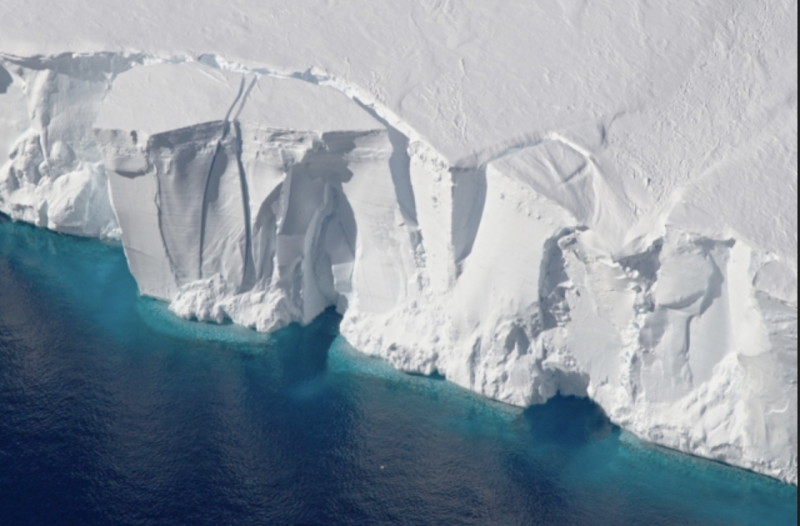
column 525, row 200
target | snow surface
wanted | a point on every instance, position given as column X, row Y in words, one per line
column 596, row 198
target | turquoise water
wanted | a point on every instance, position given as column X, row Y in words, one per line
column 112, row 411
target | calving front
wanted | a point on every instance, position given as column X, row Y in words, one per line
column 266, row 199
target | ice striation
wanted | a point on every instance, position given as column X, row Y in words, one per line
column 620, row 257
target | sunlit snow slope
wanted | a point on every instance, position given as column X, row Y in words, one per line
column 592, row 198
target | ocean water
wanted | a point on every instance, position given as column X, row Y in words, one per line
column 112, row 411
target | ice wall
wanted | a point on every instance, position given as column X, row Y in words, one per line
column 53, row 173
column 537, row 268
column 269, row 202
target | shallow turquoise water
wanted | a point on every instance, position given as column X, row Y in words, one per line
column 112, row 411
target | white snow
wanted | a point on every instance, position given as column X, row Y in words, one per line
column 597, row 198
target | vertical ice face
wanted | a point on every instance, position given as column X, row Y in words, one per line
column 165, row 145
column 239, row 196
column 53, row 174
column 534, row 269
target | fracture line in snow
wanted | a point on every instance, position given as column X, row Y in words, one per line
column 225, row 128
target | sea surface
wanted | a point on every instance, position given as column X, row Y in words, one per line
column 113, row 411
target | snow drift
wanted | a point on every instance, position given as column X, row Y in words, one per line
column 627, row 256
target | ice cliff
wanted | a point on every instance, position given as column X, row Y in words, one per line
column 643, row 254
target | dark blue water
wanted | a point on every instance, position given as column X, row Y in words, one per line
column 114, row 412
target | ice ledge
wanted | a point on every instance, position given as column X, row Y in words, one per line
column 265, row 197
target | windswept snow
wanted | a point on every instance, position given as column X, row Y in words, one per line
column 586, row 197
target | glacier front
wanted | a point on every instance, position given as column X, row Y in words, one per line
column 617, row 220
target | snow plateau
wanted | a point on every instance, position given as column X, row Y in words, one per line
column 598, row 199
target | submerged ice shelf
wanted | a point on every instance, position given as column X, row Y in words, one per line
column 650, row 267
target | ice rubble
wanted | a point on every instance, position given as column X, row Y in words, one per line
column 620, row 256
